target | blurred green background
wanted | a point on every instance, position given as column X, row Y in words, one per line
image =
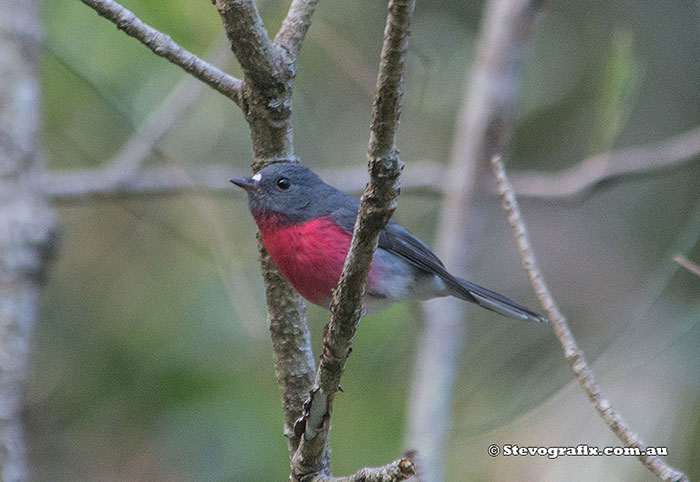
column 152, row 360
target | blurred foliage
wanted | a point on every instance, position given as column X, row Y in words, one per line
column 152, row 360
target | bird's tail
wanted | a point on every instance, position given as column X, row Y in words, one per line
column 493, row 301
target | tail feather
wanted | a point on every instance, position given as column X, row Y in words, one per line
column 493, row 301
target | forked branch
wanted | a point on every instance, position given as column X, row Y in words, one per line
column 263, row 62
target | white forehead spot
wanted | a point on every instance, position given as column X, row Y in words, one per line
column 257, row 177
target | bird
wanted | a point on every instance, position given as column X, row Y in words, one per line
column 306, row 227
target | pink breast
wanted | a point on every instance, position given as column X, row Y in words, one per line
column 310, row 255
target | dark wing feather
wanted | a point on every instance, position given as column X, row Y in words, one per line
column 401, row 242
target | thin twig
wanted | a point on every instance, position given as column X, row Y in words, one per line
column 395, row 471
column 485, row 126
column 127, row 162
column 687, row 264
column 601, row 169
column 376, row 207
column 574, row 355
column 296, row 24
column 162, row 45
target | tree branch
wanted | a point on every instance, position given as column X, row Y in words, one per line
column 596, row 171
column 72, row 186
column 267, row 106
column 574, row 355
column 687, row 264
column 426, row 176
column 162, row 45
column 267, row 90
column 376, row 207
column 295, row 25
column 127, row 162
column 263, row 63
column 27, row 222
column 485, row 126
column 396, row 471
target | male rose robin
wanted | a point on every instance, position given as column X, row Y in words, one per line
column 306, row 227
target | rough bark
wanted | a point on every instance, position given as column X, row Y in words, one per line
column 267, row 106
column 267, row 88
column 26, row 221
column 395, row 471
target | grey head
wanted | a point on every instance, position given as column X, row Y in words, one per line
column 293, row 191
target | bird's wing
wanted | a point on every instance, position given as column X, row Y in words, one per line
column 399, row 241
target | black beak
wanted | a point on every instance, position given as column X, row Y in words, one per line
column 247, row 184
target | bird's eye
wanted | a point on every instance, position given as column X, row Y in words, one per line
column 283, row 183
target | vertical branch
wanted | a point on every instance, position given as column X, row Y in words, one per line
column 291, row 344
column 26, row 221
column 376, row 207
column 267, row 87
column 574, row 355
column 267, row 105
column 484, row 127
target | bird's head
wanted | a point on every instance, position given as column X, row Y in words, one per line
column 286, row 189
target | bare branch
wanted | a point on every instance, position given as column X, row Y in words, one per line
column 425, row 176
column 27, row 222
column 598, row 170
column 291, row 343
column 77, row 185
column 162, row 45
column 264, row 63
column 687, row 264
column 396, row 471
column 485, row 123
column 574, row 355
column 267, row 90
column 387, row 102
column 376, row 207
column 294, row 28
column 156, row 126
column 74, row 185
